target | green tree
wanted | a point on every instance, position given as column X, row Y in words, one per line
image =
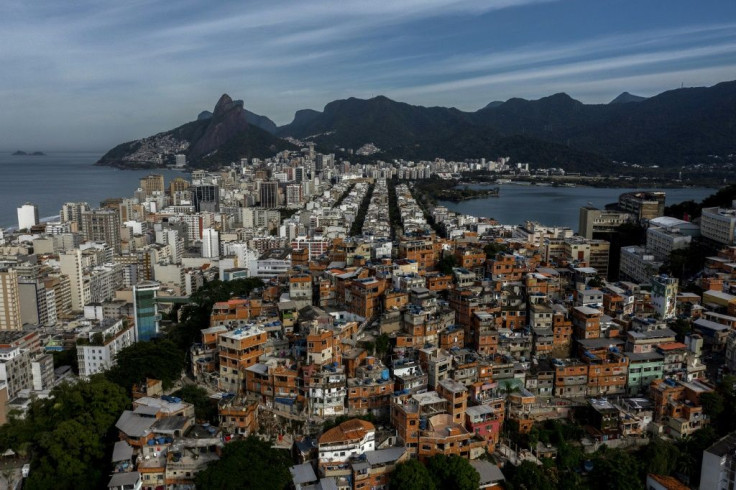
column 713, row 404
column 494, row 248
column 659, row 457
column 681, row 328
column 411, row 475
column 691, row 451
column 205, row 408
column 160, row 359
column 596, row 282
column 67, row 435
column 383, row 343
column 250, row 463
column 453, row 472
column 69, row 457
column 446, row 263
column 527, row 476
column 615, row 469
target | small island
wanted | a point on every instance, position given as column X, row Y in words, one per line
column 32, row 154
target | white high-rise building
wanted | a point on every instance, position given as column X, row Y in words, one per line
column 718, row 466
column 72, row 265
column 10, row 318
column 210, row 243
column 719, row 224
column 27, row 216
column 105, row 341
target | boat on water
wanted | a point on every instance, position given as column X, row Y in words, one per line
column 503, row 181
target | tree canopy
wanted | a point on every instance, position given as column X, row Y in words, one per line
column 160, row 359
column 67, row 435
column 250, row 463
column 411, row 475
column 453, row 472
column 527, row 476
column 205, row 408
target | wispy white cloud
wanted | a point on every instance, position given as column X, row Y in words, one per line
column 597, row 47
column 574, row 69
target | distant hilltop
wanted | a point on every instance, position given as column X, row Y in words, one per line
column 32, row 154
column 677, row 127
column 215, row 138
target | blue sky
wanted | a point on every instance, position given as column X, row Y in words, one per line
column 89, row 74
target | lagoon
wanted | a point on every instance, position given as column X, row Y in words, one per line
column 555, row 206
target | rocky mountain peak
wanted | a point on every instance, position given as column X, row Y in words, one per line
column 224, row 105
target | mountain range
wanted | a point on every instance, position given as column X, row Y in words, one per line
column 670, row 129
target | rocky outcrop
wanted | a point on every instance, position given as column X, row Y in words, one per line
column 227, row 120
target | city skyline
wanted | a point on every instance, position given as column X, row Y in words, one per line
column 92, row 76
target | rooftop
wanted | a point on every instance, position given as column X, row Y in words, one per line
column 350, row 430
column 724, row 445
column 134, row 425
column 303, row 473
column 384, row 456
column 489, row 472
column 452, row 386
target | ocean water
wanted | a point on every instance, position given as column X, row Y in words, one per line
column 554, row 206
column 50, row 181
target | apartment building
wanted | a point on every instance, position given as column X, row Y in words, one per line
column 719, row 224
column 103, row 342
column 239, row 349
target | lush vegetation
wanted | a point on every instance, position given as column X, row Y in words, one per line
column 205, row 408
column 616, row 468
column 412, row 132
column 159, row 359
column 67, row 436
column 411, row 475
column 440, row 472
column 250, row 463
column 453, row 472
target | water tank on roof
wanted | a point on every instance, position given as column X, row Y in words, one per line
column 385, row 375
